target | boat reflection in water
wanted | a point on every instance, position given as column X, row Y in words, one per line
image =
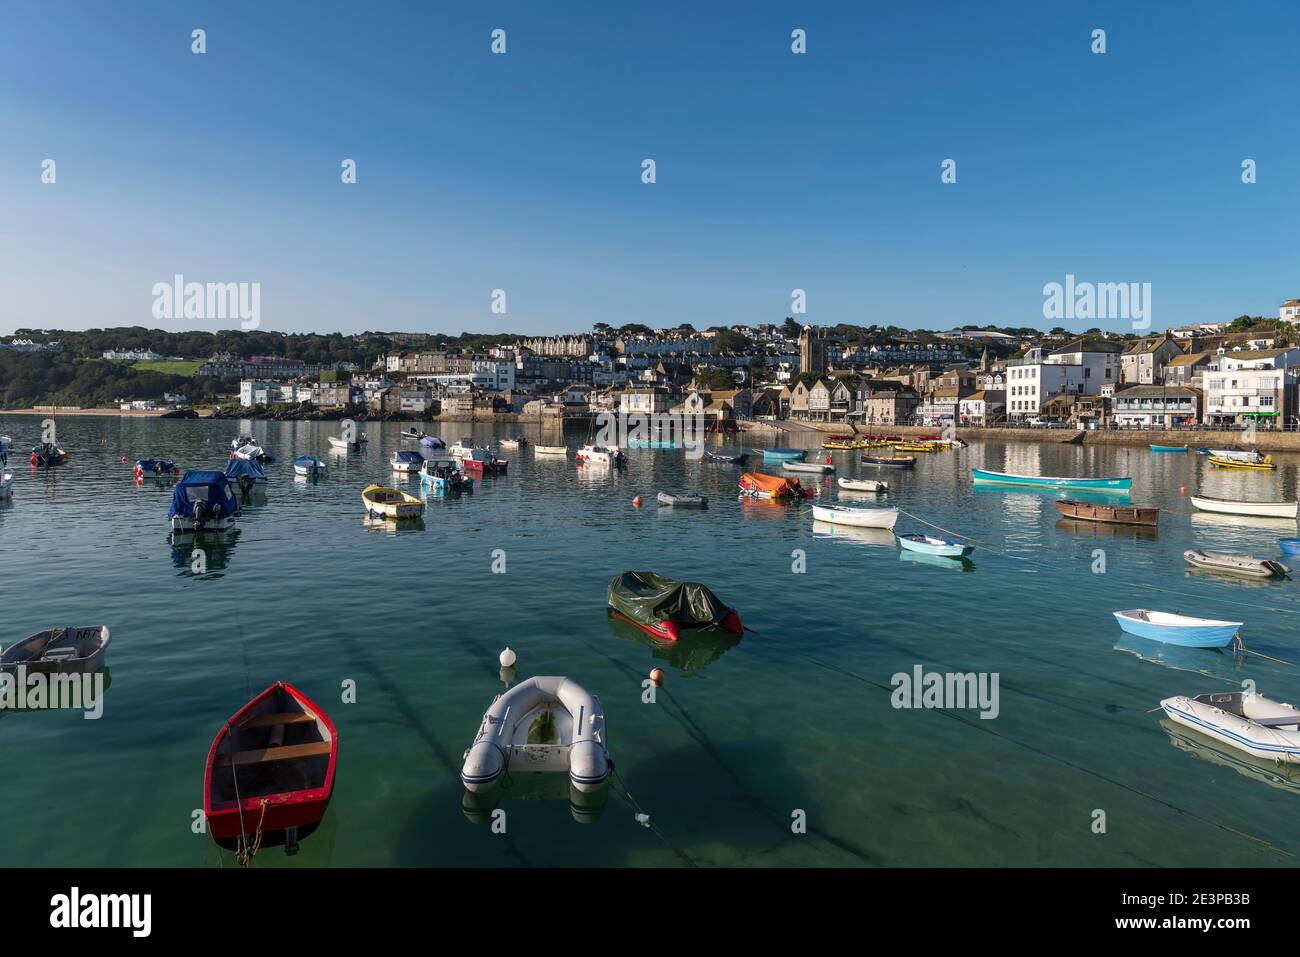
column 1285, row 777
column 586, row 807
column 217, row 549
column 695, row 650
column 880, row 537
column 1106, row 530
column 768, row 509
column 316, row 851
column 392, row 526
column 96, row 684
column 1212, row 520
column 938, row 561
column 1211, row 662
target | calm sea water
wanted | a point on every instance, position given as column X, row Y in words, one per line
column 795, row 717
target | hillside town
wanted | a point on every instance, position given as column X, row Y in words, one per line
column 1223, row 375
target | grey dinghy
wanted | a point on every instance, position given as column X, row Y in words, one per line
column 1245, row 565
column 546, row 724
column 688, row 500
column 59, row 650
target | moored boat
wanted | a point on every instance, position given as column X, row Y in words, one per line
column 406, row 461
column 784, row 455
column 817, row 468
column 517, row 442
column 1245, row 720
column 1243, row 455
column 1119, row 484
column 203, row 502
column 601, row 455
column 482, row 462
column 1289, row 546
column 1264, row 464
column 156, row 468
column 270, row 772
column 761, row 485
column 890, row 461
column 441, row 476
column 48, row 454
column 382, row 501
column 246, row 475
column 344, row 444
column 929, row 545
column 58, row 651
column 663, row 607
column 6, row 485
column 858, row 517
column 685, row 500
column 1225, row 506
column 1112, row 514
column 547, row 724
column 309, row 465
column 432, row 442
column 1168, row 448
column 1246, row 566
column 1178, row 629
column 862, row 485
column 550, row 450
column 723, row 458
column 412, row 434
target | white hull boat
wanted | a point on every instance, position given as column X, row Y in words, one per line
column 863, row 485
column 600, row 455
column 1224, row 506
column 6, row 485
column 343, row 445
column 688, row 500
column 857, row 517
column 249, row 452
column 545, row 724
column 819, row 468
column 550, row 450
column 1247, row 721
column 1238, row 455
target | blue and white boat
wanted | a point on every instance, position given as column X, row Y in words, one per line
column 444, row 476
column 784, row 455
column 432, row 442
column 1168, row 448
column 1178, row 629
column 203, row 502
column 928, row 545
column 1047, row 481
column 309, row 465
column 246, row 475
column 1246, row 720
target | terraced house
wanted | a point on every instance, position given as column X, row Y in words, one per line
column 1253, row 386
column 1144, row 361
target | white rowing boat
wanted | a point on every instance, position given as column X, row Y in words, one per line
column 857, row 517
column 550, row 450
column 818, row 468
column 1225, row 506
column 863, row 485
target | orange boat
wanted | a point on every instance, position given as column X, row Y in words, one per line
column 761, row 485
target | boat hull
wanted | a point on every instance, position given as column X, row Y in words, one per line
column 1109, row 514
column 1219, row 635
column 1229, row 507
column 856, row 517
column 1119, row 484
column 942, row 550
column 1270, row 743
column 784, row 455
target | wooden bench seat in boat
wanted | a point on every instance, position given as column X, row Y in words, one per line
column 270, row 720
column 286, row 752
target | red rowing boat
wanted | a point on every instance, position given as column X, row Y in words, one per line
column 270, row 771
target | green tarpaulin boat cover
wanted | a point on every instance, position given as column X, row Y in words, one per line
column 650, row 598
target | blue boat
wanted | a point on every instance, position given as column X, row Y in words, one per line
column 203, row 501
column 784, row 455
column 939, row 547
column 309, row 465
column 653, row 444
column 1289, row 546
column 1168, row 448
column 1047, row 481
column 158, row 467
column 1178, row 629
column 246, row 474
column 444, row 476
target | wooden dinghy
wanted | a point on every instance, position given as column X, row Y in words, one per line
column 59, row 651
column 890, row 461
column 385, row 502
column 1244, row 720
column 1112, row 514
column 550, row 450
column 270, row 772
column 1246, row 566
column 817, row 468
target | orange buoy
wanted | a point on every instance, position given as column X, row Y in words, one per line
column 657, row 676
column 636, row 502
column 1182, row 490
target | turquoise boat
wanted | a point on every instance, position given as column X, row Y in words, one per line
column 1047, row 481
column 784, row 455
column 1177, row 629
column 928, row 545
column 654, row 444
column 1168, row 448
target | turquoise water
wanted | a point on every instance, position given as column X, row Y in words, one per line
column 795, row 717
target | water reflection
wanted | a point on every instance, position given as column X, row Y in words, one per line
column 695, row 650
column 1285, row 777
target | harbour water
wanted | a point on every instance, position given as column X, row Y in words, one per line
column 795, row 718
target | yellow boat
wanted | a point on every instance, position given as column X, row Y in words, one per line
column 917, row 447
column 385, row 502
column 1264, row 466
column 840, row 446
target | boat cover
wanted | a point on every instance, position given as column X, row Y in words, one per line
column 412, row 458
column 238, row 468
column 649, row 599
column 777, row 485
column 210, row 488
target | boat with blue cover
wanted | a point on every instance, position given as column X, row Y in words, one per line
column 1289, row 546
column 1123, row 484
column 406, row 461
column 1178, row 629
column 309, row 465
column 246, row 475
column 203, row 502
column 784, row 455
column 159, row 468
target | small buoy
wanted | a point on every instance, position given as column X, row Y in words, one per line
column 507, row 659
column 1182, row 490
column 657, row 676
column 124, row 458
column 636, row 502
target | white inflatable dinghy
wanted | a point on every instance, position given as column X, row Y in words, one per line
column 1246, row 720
column 547, row 724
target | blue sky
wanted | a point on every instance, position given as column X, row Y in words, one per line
column 523, row 172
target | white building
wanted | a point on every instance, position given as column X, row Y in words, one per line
column 1156, row 406
column 270, row 392
column 1252, row 386
column 1081, row 367
column 1289, row 311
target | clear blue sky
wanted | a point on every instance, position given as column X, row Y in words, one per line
column 523, row 171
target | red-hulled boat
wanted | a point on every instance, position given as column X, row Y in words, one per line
column 663, row 608
column 270, row 771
